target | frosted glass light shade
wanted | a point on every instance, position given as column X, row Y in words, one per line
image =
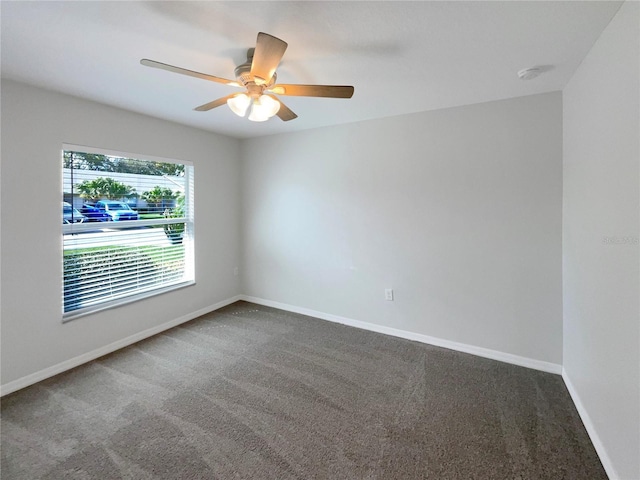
column 263, row 108
column 239, row 104
column 257, row 115
column 270, row 105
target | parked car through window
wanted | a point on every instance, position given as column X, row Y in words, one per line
column 70, row 214
column 116, row 211
column 94, row 214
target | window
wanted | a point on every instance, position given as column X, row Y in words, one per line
column 127, row 228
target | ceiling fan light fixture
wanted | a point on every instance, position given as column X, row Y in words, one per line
column 258, row 76
column 263, row 108
column 239, row 104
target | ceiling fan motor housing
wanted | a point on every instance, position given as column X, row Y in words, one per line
column 244, row 76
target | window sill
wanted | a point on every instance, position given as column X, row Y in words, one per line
column 75, row 314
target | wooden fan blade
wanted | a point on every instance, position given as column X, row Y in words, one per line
column 333, row 91
column 285, row 113
column 163, row 66
column 216, row 103
column 266, row 56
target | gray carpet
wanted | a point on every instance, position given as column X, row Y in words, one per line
column 250, row 392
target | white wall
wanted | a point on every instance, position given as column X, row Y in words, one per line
column 457, row 210
column 35, row 123
column 600, row 242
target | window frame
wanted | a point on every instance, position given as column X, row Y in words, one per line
column 188, row 237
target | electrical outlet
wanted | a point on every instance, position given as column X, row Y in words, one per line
column 388, row 294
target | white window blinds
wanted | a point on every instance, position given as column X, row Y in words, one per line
column 127, row 228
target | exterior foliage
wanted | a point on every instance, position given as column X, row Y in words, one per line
column 175, row 231
column 159, row 198
column 104, row 187
column 105, row 163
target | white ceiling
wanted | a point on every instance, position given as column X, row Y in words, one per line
column 402, row 57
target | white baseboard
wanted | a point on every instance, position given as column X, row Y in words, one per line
column 591, row 429
column 439, row 342
column 112, row 347
column 461, row 347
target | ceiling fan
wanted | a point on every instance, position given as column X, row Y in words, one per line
column 258, row 76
